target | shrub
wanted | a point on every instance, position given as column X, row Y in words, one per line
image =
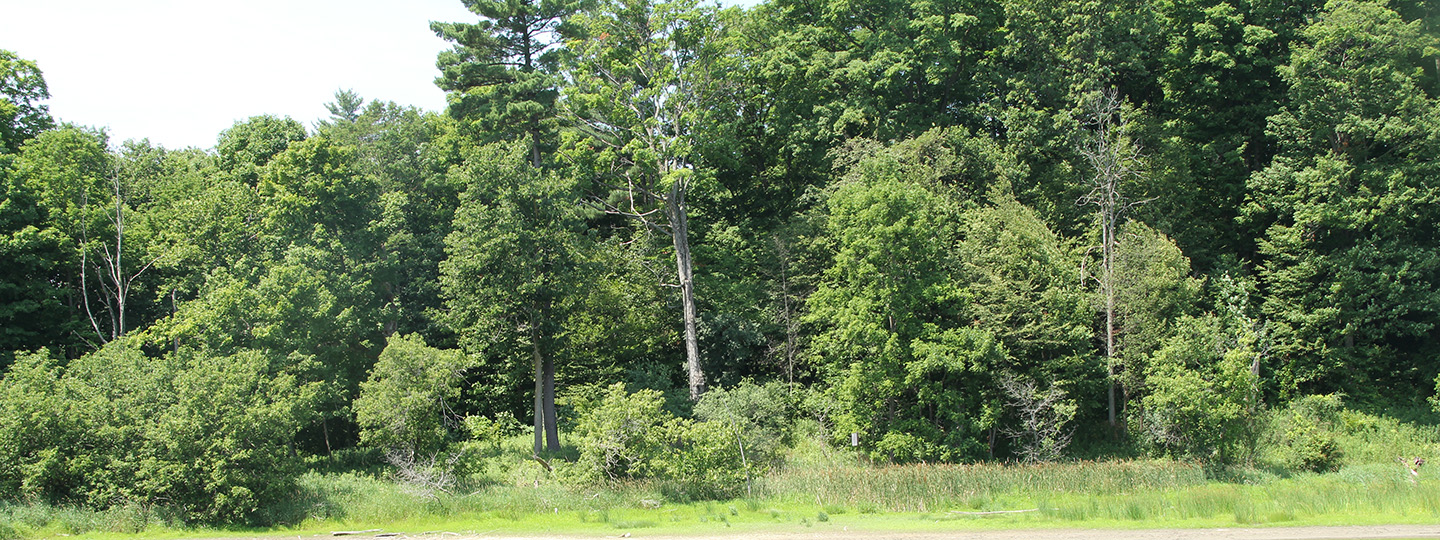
column 1303, row 434
column 760, row 416
column 631, row 436
column 402, row 405
column 620, row 436
column 1044, row 418
column 1198, row 403
column 207, row 435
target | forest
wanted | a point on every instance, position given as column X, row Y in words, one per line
column 647, row 239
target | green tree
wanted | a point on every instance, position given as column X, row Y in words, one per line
column 1153, row 291
column 22, row 88
column 35, row 262
column 639, row 71
column 890, row 342
column 1348, row 259
column 245, row 147
column 501, row 75
column 515, row 268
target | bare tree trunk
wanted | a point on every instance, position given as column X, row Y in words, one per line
column 1113, row 160
column 552, row 431
column 680, row 234
column 539, row 388
column 1108, row 268
column 122, row 285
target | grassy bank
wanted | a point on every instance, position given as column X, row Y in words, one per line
column 1129, row 494
column 503, row 490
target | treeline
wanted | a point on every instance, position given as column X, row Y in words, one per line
column 960, row 229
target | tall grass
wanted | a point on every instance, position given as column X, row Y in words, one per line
column 927, row 488
column 503, row 488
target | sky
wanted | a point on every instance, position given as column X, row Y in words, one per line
column 179, row 72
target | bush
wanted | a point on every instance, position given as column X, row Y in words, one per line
column 402, row 405
column 621, row 436
column 761, row 415
column 1198, row 403
column 632, row 437
column 1303, row 434
column 209, row 436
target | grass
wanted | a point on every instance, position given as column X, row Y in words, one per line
column 1175, row 497
column 824, row 488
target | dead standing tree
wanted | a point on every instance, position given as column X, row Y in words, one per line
column 112, row 278
column 1114, row 159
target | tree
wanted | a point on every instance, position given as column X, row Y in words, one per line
column 909, row 375
column 245, row 147
column 345, row 108
column 1153, row 291
column 1348, row 260
column 1114, row 159
column 406, row 405
column 514, row 268
column 638, row 71
column 22, row 88
column 1044, row 418
column 500, row 75
column 35, row 265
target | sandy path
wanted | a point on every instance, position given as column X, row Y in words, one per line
column 1269, row 533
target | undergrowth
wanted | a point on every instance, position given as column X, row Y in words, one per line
column 502, row 487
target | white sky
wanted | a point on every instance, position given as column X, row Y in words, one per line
column 180, row 71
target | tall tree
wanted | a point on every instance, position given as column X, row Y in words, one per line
column 500, row 76
column 514, row 269
column 1114, row 160
column 1349, row 260
column 638, row 76
column 22, row 88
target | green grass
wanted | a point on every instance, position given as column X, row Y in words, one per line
column 1092, row 494
column 824, row 488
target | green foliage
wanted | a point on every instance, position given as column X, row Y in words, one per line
column 250, row 144
column 1348, row 255
column 33, row 255
column 758, row 416
column 407, row 401
column 888, row 304
column 1025, row 282
column 1200, row 393
column 500, row 76
column 631, row 437
column 207, row 435
column 624, row 435
column 22, row 87
column 1153, row 290
column 1304, row 434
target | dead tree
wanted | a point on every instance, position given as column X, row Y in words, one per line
column 112, row 277
column 1114, row 160
column 1044, row 418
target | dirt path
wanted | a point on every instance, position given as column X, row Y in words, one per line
column 1269, row 533
column 1275, row 533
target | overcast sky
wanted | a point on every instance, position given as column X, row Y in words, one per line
column 180, row 71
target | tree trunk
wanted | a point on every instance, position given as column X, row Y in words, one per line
column 552, row 431
column 1108, row 268
column 539, row 388
column 680, row 234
